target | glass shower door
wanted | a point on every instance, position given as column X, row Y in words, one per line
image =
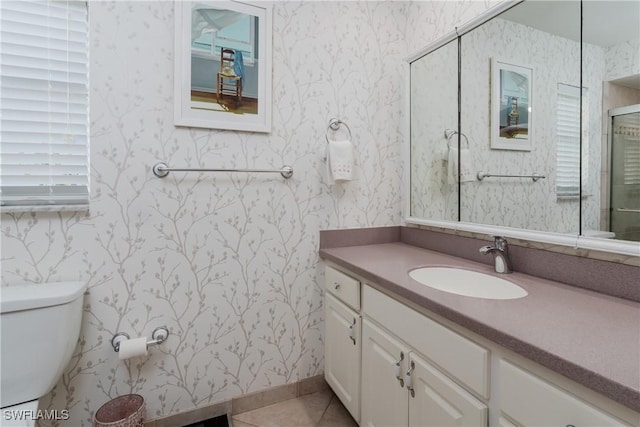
column 625, row 173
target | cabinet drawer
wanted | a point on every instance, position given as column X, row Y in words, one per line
column 529, row 400
column 456, row 355
column 345, row 288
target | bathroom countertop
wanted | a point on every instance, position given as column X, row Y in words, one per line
column 591, row 338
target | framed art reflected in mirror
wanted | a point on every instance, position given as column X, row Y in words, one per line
column 511, row 94
column 223, row 65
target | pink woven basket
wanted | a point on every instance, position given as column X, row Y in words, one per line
column 123, row 411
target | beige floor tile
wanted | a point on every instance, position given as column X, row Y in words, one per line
column 336, row 415
column 263, row 398
column 305, row 411
column 238, row 423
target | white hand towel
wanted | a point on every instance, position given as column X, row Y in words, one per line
column 466, row 168
column 339, row 161
column 452, row 166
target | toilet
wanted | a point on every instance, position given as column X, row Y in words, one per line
column 40, row 325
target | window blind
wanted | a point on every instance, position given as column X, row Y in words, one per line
column 44, row 141
column 568, row 140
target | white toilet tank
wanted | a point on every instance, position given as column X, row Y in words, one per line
column 40, row 325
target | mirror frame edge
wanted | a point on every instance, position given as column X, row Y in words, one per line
column 621, row 247
column 577, row 241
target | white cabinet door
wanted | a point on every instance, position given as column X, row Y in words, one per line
column 457, row 356
column 531, row 401
column 384, row 398
column 342, row 353
column 437, row 401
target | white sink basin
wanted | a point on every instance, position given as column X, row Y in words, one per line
column 466, row 282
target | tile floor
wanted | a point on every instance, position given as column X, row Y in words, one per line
column 320, row 409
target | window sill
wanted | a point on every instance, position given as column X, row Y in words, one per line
column 52, row 208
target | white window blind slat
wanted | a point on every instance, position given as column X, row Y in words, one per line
column 28, row 94
column 53, row 8
column 35, row 73
column 44, row 121
column 53, row 128
column 65, row 122
column 55, row 160
column 27, row 139
column 77, row 148
column 23, row 106
column 57, row 59
column 57, row 37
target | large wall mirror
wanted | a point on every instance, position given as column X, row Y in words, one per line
column 434, row 187
column 546, row 142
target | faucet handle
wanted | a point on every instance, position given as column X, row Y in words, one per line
column 500, row 242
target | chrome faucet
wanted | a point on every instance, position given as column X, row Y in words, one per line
column 500, row 252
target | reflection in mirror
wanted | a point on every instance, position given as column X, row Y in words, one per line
column 434, row 140
column 537, row 47
column 611, row 151
column 573, row 123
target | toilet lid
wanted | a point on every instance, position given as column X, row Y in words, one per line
column 27, row 297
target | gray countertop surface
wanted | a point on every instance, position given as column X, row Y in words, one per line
column 592, row 338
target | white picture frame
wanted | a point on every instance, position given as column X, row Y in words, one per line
column 200, row 35
column 511, row 106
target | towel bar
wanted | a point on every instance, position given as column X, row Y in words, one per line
column 535, row 177
column 161, row 170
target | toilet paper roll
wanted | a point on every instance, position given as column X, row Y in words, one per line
column 135, row 347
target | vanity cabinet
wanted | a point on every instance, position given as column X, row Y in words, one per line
column 342, row 344
column 528, row 400
column 392, row 365
column 400, row 387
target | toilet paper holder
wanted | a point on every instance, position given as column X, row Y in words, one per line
column 158, row 336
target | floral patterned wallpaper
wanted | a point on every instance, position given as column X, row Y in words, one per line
column 228, row 262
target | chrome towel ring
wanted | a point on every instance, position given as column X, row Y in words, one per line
column 334, row 125
column 449, row 133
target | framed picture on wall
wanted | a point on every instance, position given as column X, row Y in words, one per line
column 511, row 95
column 222, row 59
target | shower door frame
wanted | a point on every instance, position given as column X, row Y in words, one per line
column 613, row 112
